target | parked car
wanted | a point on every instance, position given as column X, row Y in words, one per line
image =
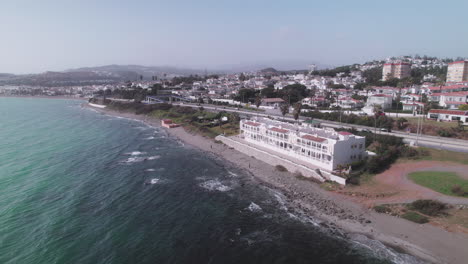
column 384, row 130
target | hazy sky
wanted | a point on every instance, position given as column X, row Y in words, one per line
column 40, row 35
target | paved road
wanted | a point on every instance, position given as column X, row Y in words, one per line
column 424, row 140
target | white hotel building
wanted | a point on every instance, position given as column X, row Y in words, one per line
column 323, row 148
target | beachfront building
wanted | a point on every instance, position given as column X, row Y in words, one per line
column 398, row 70
column 322, row 148
column 457, row 71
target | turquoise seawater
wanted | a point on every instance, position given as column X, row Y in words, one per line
column 77, row 186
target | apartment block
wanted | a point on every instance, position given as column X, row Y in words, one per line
column 457, row 71
column 398, row 70
column 322, row 148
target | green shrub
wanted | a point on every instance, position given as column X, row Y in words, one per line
column 280, row 168
column 415, row 217
column 458, row 190
column 383, row 209
column 429, row 207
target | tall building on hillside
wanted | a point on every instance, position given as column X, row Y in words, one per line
column 457, row 71
column 398, row 70
column 323, row 148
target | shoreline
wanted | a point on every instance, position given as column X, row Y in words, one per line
column 61, row 97
column 333, row 211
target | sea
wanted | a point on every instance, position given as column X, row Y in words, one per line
column 79, row 186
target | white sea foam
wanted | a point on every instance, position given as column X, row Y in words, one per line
column 136, row 153
column 153, row 157
column 253, row 207
column 149, row 138
column 154, row 181
column 215, row 185
column 232, row 174
column 149, row 170
column 380, row 250
column 134, row 159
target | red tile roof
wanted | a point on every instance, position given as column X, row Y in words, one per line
column 448, row 112
column 279, row 130
column 316, row 139
column 456, row 62
column 454, row 102
column 272, row 100
column 252, row 123
column 398, row 63
column 448, row 87
column 345, row 133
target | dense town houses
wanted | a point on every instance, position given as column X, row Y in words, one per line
column 322, row 148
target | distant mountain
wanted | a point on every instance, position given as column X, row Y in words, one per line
column 108, row 74
column 6, row 75
column 126, row 71
column 278, row 65
column 269, row 70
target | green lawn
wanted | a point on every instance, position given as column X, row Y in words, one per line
column 443, row 155
column 440, row 181
column 414, row 121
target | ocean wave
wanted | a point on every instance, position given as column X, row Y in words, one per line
column 149, row 138
column 215, row 185
column 153, row 181
column 135, row 153
column 253, row 207
column 379, row 250
column 153, row 157
column 134, row 159
column 232, row 174
column 150, row 170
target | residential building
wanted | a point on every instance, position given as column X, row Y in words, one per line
column 322, row 148
column 453, row 100
column 272, row 102
column 382, row 100
column 448, row 115
column 398, row 70
column 457, row 71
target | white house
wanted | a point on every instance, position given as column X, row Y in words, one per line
column 453, row 100
column 384, row 101
column 448, row 115
column 273, row 102
column 323, row 148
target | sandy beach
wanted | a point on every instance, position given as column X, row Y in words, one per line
column 341, row 215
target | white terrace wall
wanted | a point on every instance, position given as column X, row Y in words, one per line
column 274, row 160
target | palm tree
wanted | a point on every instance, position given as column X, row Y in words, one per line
column 297, row 110
column 284, row 109
column 258, row 101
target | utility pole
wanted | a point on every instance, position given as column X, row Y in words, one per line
column 419, row 127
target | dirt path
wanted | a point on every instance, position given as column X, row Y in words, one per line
column 393, row 185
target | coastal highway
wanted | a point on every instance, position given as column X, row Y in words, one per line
column 410, row 138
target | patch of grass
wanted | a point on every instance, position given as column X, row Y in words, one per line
column 429, row 122
column 443, row 155
column 383, row 209
column 330, row 186
column 415, row 217
column 429, row 207
column 281, row 168
column 300, row 176
column 448, row 183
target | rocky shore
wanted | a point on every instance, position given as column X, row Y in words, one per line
column 331, row 210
